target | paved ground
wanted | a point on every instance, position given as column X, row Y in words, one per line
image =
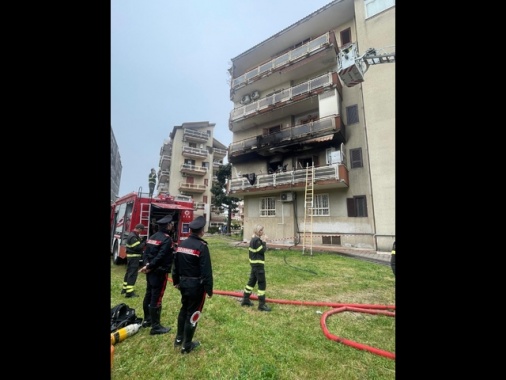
column 382, row 258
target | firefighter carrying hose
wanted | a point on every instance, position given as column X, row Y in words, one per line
column 134, row 248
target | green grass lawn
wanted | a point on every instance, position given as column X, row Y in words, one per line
column 286, row 343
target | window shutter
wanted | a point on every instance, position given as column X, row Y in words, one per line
column 350, row 203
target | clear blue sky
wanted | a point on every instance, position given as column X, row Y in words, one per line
column 169, row 65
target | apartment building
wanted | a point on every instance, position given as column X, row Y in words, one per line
column 314, row 159
column 188, row 161
column 116, row 168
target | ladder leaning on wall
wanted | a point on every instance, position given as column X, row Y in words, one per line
column 307, row 236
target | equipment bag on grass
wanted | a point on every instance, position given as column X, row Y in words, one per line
column 123, row 315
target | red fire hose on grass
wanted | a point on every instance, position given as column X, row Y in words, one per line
column 336, row 308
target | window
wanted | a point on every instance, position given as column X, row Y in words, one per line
column 206, row 182
column 352, row 114
column 345, row 36
column 205, row 165
column 373, row 7
column 321, row 205
column 204, row 199
column 268, row 207
column 356, row 158
column 357, row 206
column 192, row 145
column 304, row 162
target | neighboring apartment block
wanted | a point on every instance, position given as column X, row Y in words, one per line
column 314, row 159
column 116, row 168
column 188, row 161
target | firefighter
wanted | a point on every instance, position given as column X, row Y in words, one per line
column 134, row 247
column 192, row 274
column 257, row 248
column 152, row 182
column 157, row 259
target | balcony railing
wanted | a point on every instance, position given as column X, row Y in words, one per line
column 290, row 57
column 283, row 96
column 194, row 152
column 191, row 135
column 322, row 173
column 200, row 206
column 192, row 169
column 285, row 136
column 164, row 176
column 164, row 162
column 219, row 152
column 191, row 187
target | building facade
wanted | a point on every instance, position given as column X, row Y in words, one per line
column 314, row 157
column 188, row 161
column 116, row 168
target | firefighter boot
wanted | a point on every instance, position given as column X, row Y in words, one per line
column 156, row 327
column 245, row 299
column 189, row 331
column 262, row 306
column 147, row 317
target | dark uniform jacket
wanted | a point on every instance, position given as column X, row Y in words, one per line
column 134, row 245
column 193, row 261
column 159, row 254
column 257, row 249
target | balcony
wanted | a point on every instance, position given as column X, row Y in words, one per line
column 193, row 170
column 289, row 66
column 164, row 176
column 325, row 177
column 166, row 149
column 200, row 206
column 217, row 164
column 164, row 163
column 296, row 99
column 323, row 132
column 191, row 188
column 194, row 136
column 195, row 152
column 219, row 153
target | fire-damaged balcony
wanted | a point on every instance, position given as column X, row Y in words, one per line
column 191, row 188
column 325, row 132
column 296, row 99
column 194, row 136
column 298, row 62
column 193, row 170
column 325, row 177
column 194, row 152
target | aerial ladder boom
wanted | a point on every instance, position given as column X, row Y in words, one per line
column 351, row 67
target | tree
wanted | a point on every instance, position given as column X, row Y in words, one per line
column 221, row 199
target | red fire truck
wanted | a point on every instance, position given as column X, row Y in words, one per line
column 135, row 208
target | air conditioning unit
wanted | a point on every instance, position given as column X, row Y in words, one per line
column 246, row 99
column 255, row 95
column 287, row 197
